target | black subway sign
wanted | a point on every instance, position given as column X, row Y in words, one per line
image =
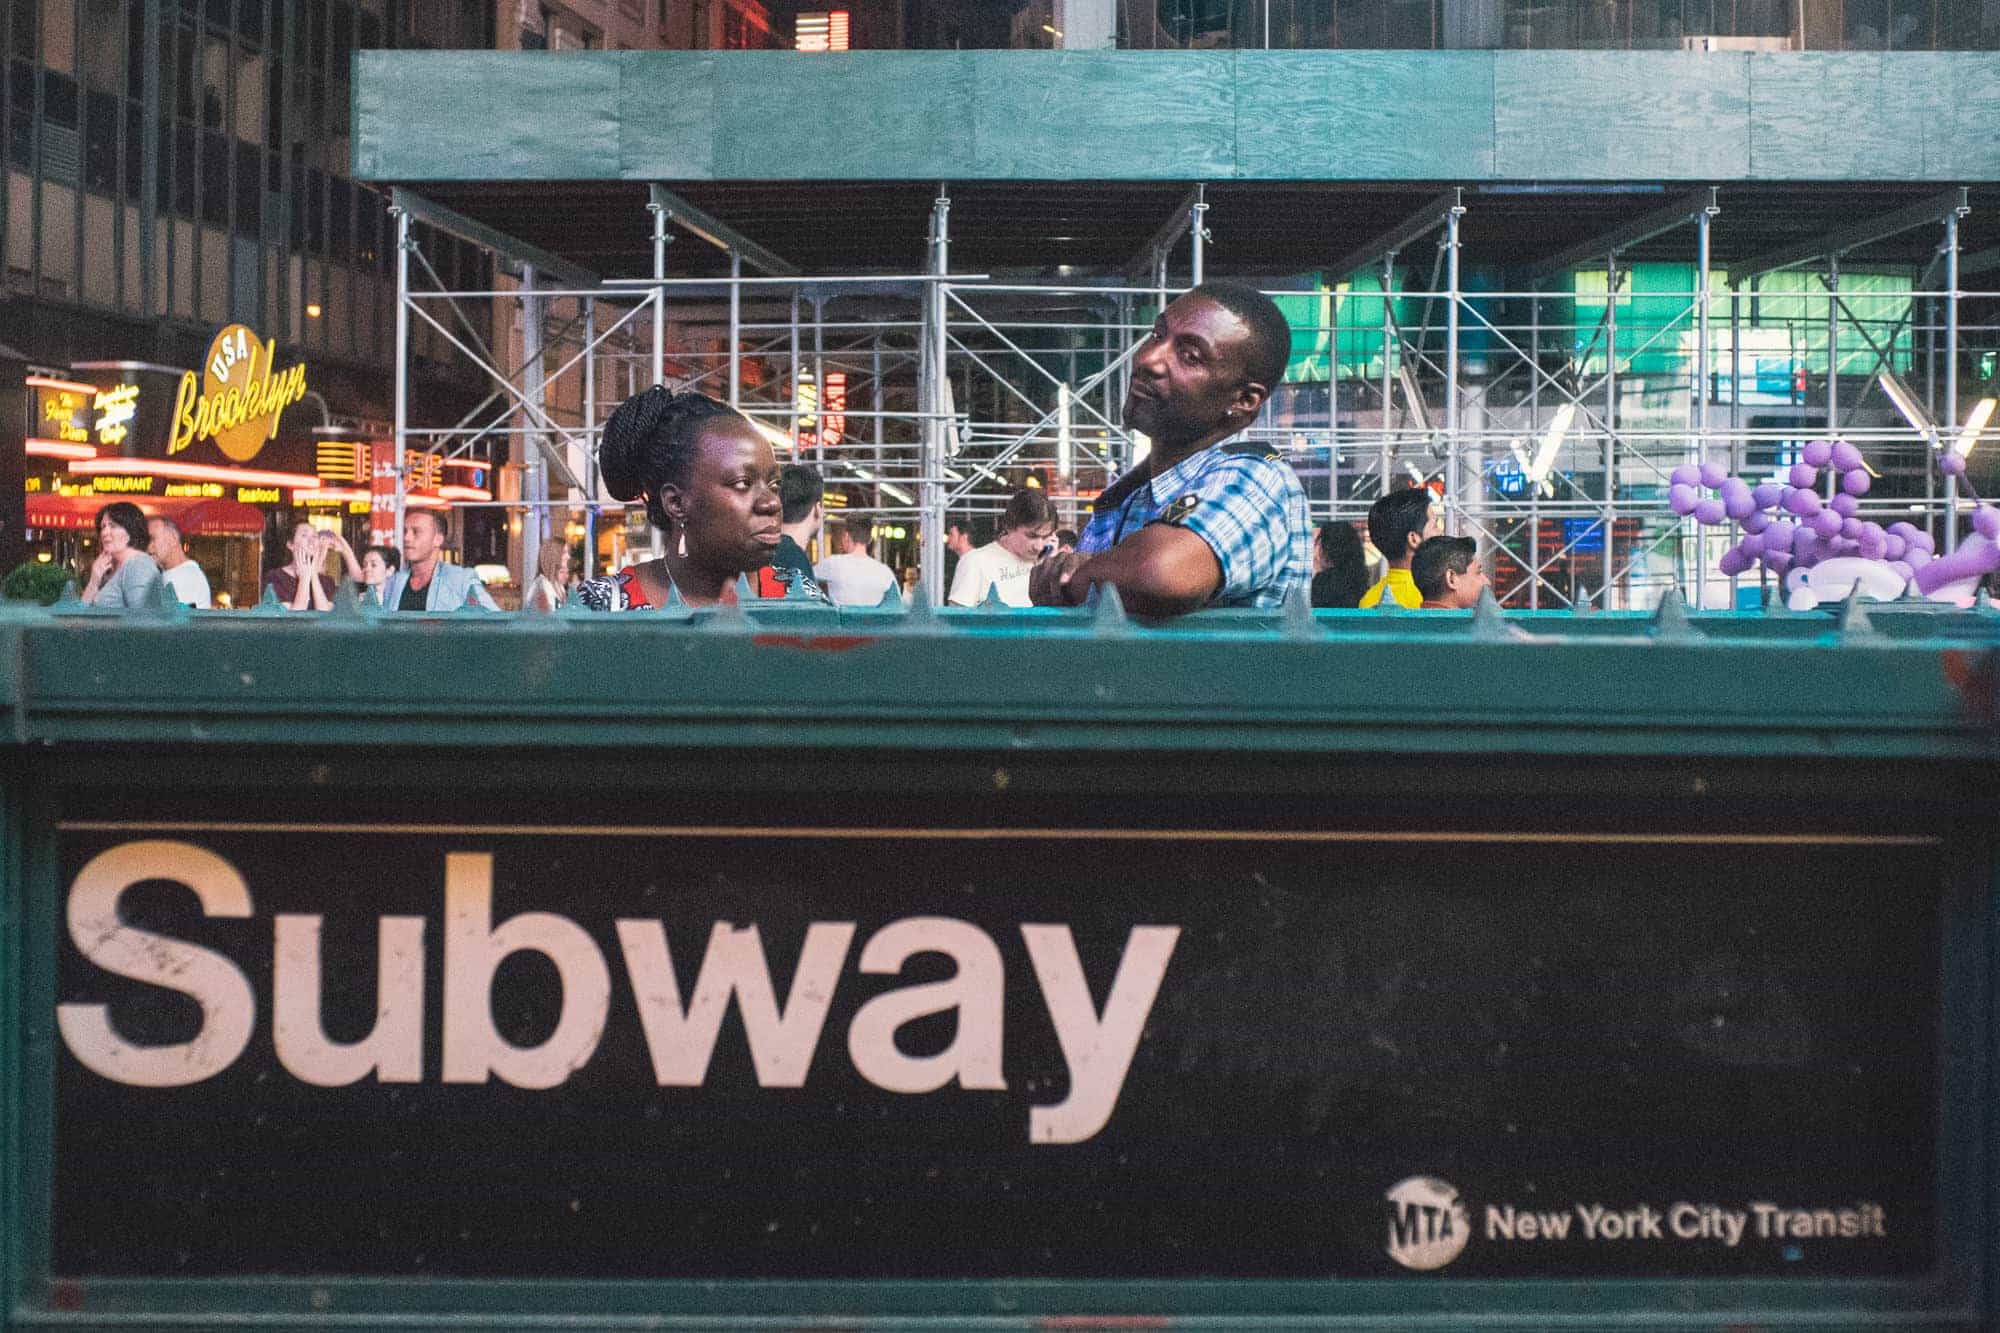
column 383, row 1049
column 782, row 1035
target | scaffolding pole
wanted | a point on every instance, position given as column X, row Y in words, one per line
column 1832, row 358
column 819, row 382
column 875, row 380
column 590, row 438
column 1611, row 281
column 1456, row 501
column 794, row 354
column 1198, row 230
column 534, row 471
column 1388, row 373
column 1951, row 258
column 660, row 239
column 931, row 486
column 735, row 327
column 400, row 464
column 1534, row 435
column 1703, row 221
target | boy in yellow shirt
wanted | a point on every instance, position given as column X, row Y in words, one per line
column 1398, row 524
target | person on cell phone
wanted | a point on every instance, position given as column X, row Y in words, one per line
column 1027, row 532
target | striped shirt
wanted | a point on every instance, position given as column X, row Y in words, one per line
column 1242, row 499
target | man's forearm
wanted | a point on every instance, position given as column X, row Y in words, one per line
column 1155, row 576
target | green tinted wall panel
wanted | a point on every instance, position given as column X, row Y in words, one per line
column 1966, row 97
column 1373, row 115
column 1853, row 113
column 1621, row 115
column 666, row 118
column 783, row 116
column 1177, row 115
column 1104, row 115
column 486, row 115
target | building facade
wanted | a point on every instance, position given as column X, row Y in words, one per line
column 176, row 168
column 1806, row 25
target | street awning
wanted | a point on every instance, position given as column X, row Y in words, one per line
column 75, row 512
column 197, row 518
column 221, row 518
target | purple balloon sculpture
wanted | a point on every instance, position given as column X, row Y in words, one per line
column 1788, row 527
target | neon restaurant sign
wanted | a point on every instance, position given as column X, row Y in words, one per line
column 240, row 397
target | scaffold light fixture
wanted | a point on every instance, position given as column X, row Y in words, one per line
column 1545, row 455
column 1975, row 426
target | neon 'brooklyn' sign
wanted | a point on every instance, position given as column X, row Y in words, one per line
column 240, row 397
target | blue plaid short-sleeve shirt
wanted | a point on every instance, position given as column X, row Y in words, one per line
column 1243, row 500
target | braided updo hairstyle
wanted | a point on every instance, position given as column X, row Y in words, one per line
column 649, row 442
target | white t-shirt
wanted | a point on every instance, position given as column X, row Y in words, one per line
column 854, row 579
column 189, row 584
column 991, row 565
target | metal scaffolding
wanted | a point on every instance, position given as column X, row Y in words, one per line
column 1550, row 414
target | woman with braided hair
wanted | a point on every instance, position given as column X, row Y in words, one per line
column 709, row 482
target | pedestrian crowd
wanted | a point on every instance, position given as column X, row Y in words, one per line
column 1208, row 518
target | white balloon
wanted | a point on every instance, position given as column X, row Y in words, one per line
column 1832, row 580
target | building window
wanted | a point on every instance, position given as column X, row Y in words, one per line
column 215, row 154
column 249, row 189
column 21, row 121
column 102, row 124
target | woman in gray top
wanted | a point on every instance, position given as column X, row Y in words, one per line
column 123, row 575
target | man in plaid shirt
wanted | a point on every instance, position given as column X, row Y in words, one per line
column 1202, row 521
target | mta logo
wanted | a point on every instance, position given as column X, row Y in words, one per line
column 1427, row 1223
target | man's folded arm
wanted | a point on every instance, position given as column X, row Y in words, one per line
column 1159, row 570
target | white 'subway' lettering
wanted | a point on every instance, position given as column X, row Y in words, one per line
column 783, row 1039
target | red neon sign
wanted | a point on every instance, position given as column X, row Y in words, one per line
column 833, row 425
column 242, row 476
column 61, row 449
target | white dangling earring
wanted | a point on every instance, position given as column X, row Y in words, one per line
column 682, row 546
